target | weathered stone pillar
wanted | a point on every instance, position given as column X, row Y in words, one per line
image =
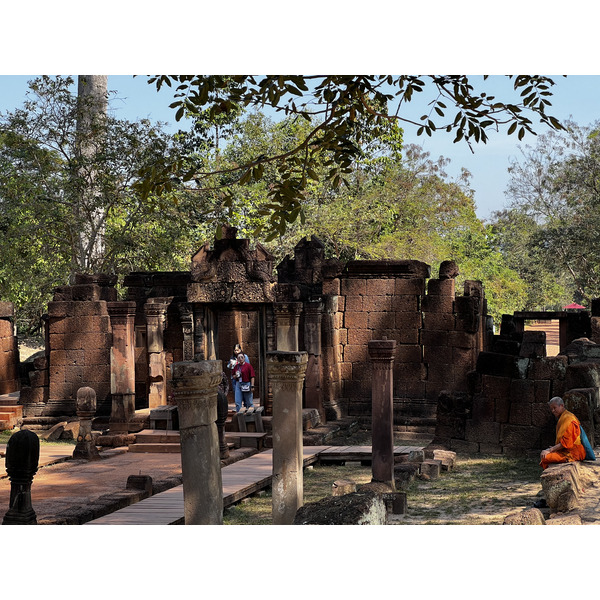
column 313, row 396
column 287, row 317
column 330, row 344
column 381, row 353
column 195, row 387
column 22, row 457
column 155, row 312
column 86, row 409
column 286, row 372
column 186, row 316
column 122, row 365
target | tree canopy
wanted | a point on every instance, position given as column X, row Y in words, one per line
column 342, row 111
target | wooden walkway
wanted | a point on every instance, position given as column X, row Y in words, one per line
column 240, row 479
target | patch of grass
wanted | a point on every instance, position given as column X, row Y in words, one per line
column 5, row 436
column 481, row 490
column 318, row 480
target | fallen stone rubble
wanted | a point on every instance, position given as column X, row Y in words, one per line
column 376, row 503
column 572, row 494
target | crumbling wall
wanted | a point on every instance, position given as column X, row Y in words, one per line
column 78, row 346
column 505, row 410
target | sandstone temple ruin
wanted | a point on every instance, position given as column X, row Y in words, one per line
column 453, row 377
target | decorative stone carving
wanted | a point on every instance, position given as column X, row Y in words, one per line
column 86, row 409
column 22, row 457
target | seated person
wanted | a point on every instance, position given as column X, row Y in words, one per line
column 568, row 446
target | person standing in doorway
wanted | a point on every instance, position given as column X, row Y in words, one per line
column 244, row 374
column 232, row 365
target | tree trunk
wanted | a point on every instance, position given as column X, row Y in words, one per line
column 92, row 98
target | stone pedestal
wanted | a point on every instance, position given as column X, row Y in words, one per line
column 381, row 354
column 287, row 318
column 195, row 386
column 122, row 365
column 22, row 457
column 286, row 372
column 86, row 410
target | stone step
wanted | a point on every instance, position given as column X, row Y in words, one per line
column 14, row 409
column 157, row 448
column 7, row 421
column 157, row 436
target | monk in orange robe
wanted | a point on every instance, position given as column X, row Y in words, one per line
column 568, row 447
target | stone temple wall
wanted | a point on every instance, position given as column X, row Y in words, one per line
column 9, row 352
column 505, row 409
column 438, row 333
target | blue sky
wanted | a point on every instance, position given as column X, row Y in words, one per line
column 575, row 96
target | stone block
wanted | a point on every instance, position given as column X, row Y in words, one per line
column 38, row 378
column 404, row 303
column 381, row 320
column 519, row 436
column 7, row 310
column 550, row 367
column 542, row 390
column 408, row 353
column 60, row 309
column 85, row 309
column 522, row 390
column 404, row 474
column 520, row 413
column 502, row 409
column 359, row 337
column 332, row 287
column 435, row 338
column 380, row 287
column 561, row 486
column 358, row 508
column 502, row 365
column 407, row 287
column 438, row 321
column 378, row 303
column 343, row 486
column 441, row 287
column 447, row 457
column 487, row 432
column 541, row 416
column 529, row 516
column 431, row 469
column 583, row 375
column 356, row 320
column 438, row 354
column 484, row 409
column 54, row 432
column 463, row 339
column 437, row 304
column 353, row 287
column 353, row 304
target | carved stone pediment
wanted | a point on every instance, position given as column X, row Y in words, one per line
column 231, row 272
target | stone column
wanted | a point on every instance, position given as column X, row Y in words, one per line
column 381, row 353
column 155, row 323
column 86, row 409
column 22, row 457
column 195, row 386
column 312, row 343
column 286, row 372
column 186, row 316
column 122, row 365
column 287, row 317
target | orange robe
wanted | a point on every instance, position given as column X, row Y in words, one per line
column 567, row 434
